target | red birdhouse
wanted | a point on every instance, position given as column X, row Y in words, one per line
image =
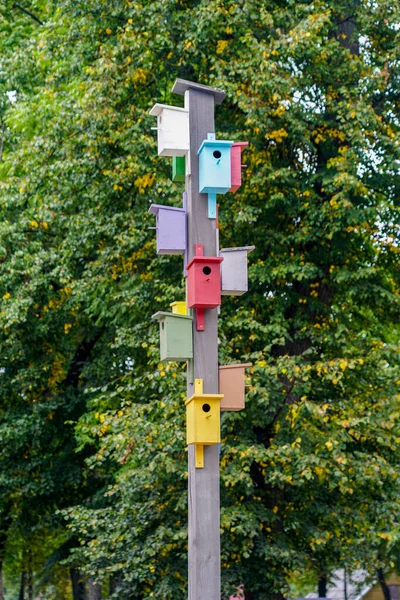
column 204, row 280
column 236, row 165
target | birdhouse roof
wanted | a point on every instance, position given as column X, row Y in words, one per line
column 240, row 366
column 240, row 248
column 154, row 208
column 204, row 397
column 182, row 85
column 215, row 144
column 205, row 259
column 158, row 108
column 162, row 315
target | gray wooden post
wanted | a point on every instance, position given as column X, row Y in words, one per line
column 204, row 497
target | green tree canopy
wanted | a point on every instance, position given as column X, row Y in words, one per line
column 90, row 423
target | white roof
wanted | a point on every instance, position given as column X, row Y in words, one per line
column 158, row 108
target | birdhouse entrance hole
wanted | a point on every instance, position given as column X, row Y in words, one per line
column 217, row 154
column 206, row 270
column 206, row 408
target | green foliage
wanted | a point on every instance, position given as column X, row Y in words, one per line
column 90, row 424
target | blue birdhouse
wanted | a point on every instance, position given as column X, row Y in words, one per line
column 214, row 166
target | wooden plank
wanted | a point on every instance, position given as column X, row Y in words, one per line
column 182, row 85
column 204, row 493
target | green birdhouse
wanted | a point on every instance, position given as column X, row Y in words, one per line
column 178, row 168
column 176, row 338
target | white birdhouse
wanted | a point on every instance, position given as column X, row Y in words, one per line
column 172, row 129
column 234, row 270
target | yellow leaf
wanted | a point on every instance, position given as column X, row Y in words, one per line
column 329, row 445
column 109, row 31
column 6, row 296
column 221, row 45
column 343, row 364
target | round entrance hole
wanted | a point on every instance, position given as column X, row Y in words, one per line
column 217, row 154
column 206, row 270
column 206, row 407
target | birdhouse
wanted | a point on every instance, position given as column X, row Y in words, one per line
column 179, row 308
column 232, row 386
column 236, row 165
column 172, row 129
column 214, row 166
column 178, row 168
column 203, row 418
column 204, row 280
column 170, row 229
column 234, row 279
column 176, row 338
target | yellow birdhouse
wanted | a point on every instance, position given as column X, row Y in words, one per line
column 203, row 417
column 179, row 308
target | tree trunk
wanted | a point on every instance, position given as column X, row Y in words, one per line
column 322, row 585
column 78, row 585
column 382, row 582
column 30, row 576
column 1, row 582
column 115, row 584
column 21, row 595
column 94, row 590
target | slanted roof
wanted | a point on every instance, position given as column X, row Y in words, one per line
column 158, row 108
column 181, row 85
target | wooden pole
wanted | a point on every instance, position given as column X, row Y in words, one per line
column 204, row 495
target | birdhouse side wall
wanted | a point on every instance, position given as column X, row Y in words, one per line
column 204, row 290
column 173, row 133
column 176, row 339
column 236, row 168
column 232, row 386
column 171, row 232
column 214, row 174
column 234, row 277
column 203, row 427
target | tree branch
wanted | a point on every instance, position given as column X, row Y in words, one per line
column 27, row 12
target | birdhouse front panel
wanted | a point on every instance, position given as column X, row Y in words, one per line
column 204, row 282
column 236, row 165
column 234, row 277
column 176, row 337
column 170, row 229
column 232, row 386
column 172, row 129
column 203, row 419
column 214, row 167
column 178, row 168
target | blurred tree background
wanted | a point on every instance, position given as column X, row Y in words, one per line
column 93, row 471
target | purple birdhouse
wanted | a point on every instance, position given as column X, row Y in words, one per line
column 170, row 229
